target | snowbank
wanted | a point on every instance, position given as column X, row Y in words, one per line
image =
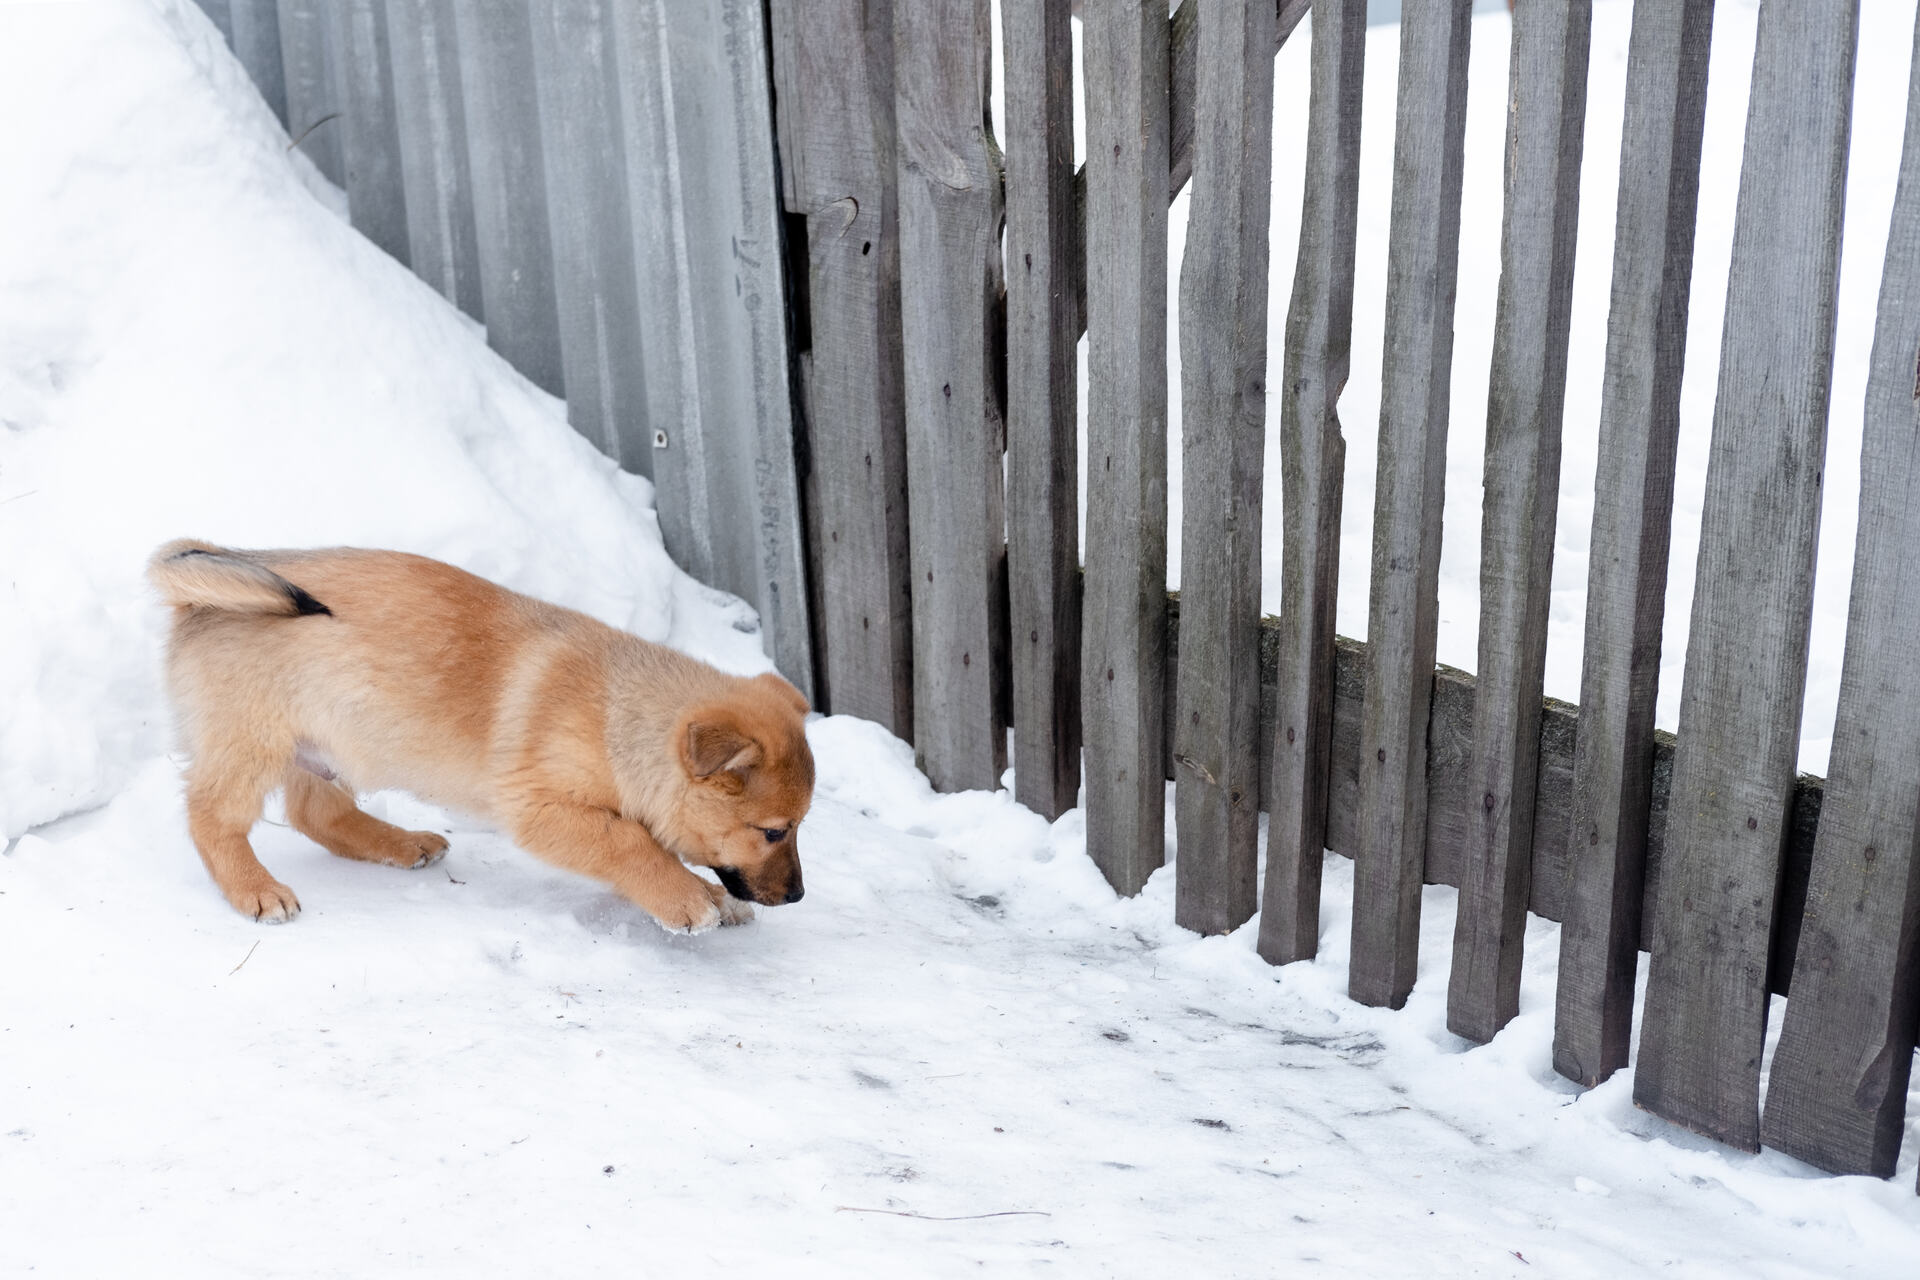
column 193, row 344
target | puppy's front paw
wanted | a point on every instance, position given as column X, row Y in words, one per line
column 425, row 848
column 689, row 908
column 267, row 901
column 732, row 910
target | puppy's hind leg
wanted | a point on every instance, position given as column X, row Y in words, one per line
column 325, row 813
column 226, row 789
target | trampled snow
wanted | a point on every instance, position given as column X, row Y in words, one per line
column 960, row 1052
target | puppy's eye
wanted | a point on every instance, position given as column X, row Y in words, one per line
column 774, row 835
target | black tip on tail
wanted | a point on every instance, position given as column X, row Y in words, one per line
column 306, row 604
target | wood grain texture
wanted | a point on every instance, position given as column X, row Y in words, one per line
column 307, row 54
column 1124, row 633
column 1837, row 1093
column 370, row 133
column 1312, row 464
column 594, row 287
column 431, row 116
column 1706, row 1005
column 1632, row 523
column 1043, row 473
column 1422, row 265
column 949, row 191
column 511, row 235
column 845, row 179
column 1223, row 392
column 1546, row 114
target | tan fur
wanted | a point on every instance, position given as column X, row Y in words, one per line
column 324, row 671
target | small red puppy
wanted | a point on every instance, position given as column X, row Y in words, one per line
column 323, row 671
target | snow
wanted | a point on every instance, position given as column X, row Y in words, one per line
column 491, row 1067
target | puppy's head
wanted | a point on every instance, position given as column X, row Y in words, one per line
column 749, row 779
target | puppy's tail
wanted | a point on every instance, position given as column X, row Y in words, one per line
column 202, row 576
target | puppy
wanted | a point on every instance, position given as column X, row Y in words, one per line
column 323, row 671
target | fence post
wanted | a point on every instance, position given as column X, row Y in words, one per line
column 1223, row 393
column 509, row 189
column 431, row 115
column 1548, row 96
column 836, row 111
column 1706, row 1006
column 1043, row 474
column 1312, row 466
column 948, row 239
column 1422, row 267
column 1632, row 525
column 1124, row 620
column 1837, row 1094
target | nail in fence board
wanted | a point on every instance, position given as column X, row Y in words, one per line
column 1223, row 358
column 1043, row 475
column 838, row 114
column 1836, row 1096
column 1632, row 523
column 1547, row 111
column 594, row 287
column 509, row 188
column 948, row 235
column 1706, row 1005
column 1422, row 264
column 1124, row 632
column 1312, row 463
column 431, row 115
column 718, row 417
column 370, row 135
column 254, row 31
column 313, row 98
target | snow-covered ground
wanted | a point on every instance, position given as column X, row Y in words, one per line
column 960, row 1052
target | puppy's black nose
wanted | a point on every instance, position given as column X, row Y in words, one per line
column 796, row 893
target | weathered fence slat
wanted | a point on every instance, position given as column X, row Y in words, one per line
column 1312, row 463
column 1124, row 621
column 948, row 193
column 1043, row 476
column 1706, row 1005
column 313, row 99
column 594, row 287
column 431, row 116
column 370, row 136
column 1223, row 393
column 1183, row 45
column 509, row 188
column 1547, row 111
column 1837, row 1094
column 1632, row 523
column 1422, row 266
column 839, row 106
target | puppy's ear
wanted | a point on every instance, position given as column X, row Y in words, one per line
column 774, row 684
column 716, row 746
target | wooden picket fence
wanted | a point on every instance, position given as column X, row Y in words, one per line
column 950, row 605
column 600, row 183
